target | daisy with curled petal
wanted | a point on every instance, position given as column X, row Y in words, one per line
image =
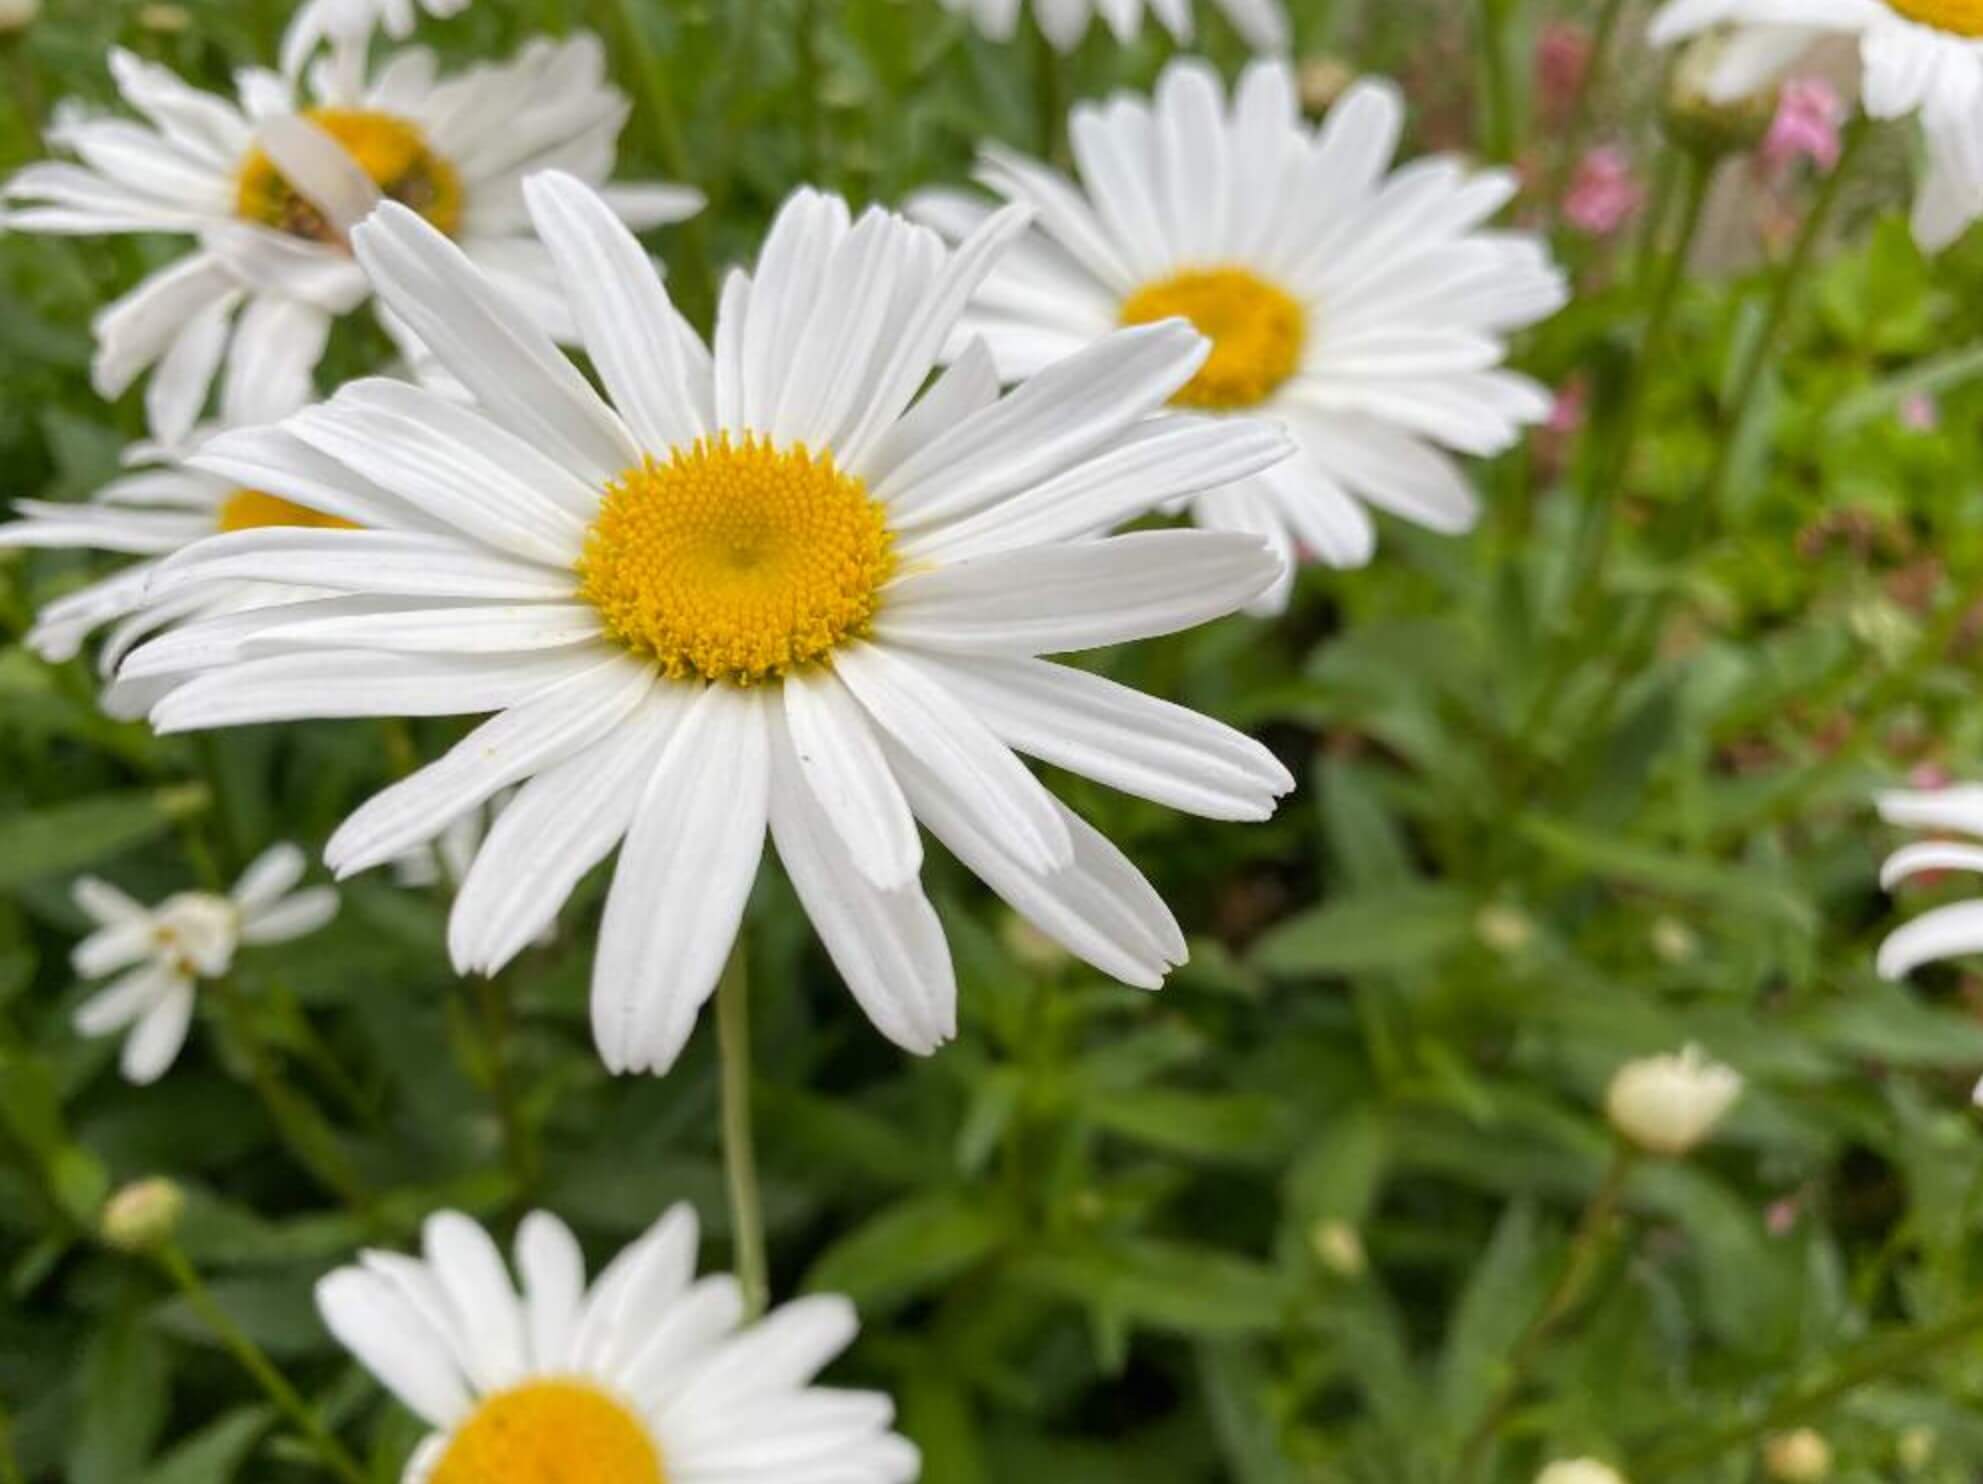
column 167, row 950
column 271, row 186
column 1262, row 23
column 349, row 24
column 1943, row 932
column 1365, row 312
column 1920, row 58
column 649, row 1376
column 759, row 587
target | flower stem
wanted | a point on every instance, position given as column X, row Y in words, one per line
column 1049, row 97
column 733, row 1034
column 285, row 1396
column 1586, row 1246
column 492, row 1000
column 1877, row 1359
column 1497, row 128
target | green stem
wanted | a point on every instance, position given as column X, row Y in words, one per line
column 493, row 1002
column 10, row 1466
column 1783, row 293
column 812, row 146
column 1497, row 132
column 285, row 1396
column 1049, row 98
column 1875, row 1360
column 1579, row 1263
column 693, row 283
column 733, row 1033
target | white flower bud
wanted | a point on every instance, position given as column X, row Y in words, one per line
column 142, row 1216
column 18, row 15
column 1579, row 1471
column 1668, row 1104
column 1339, row 1248
column 1916, row 1448
column 1800, row 1457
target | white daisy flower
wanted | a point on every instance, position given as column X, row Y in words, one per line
column 272, row 193
column 764, row 587
column 349, row 24
column 648, row 1377
column 1921, row 58
column 1365, row 312
column 166, row 950
column 1262, row 23
column 1952, row 931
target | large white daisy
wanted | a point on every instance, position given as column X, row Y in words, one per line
column 1921, row 58
column 1064, row 22
column 167, row 950
column 272, row 184
column 649, row 1376
column 767, row 586
column 1950, row 931
column 1364, row 311
column 349, row 24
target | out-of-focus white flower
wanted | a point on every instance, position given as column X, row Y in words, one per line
column 1364, row 309
column 646, row 1376
column 1064, row 22
column 270, row 185
column 1668, row 1104
column 1943, row 932
column 1579, row 1471
column 349, row 24
column 167, row 950
column 18, row 15
column 1800, row 1457
column 1921, row 59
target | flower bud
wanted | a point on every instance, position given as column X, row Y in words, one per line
column 1701, row 111
column 143, row 1216
column 1321, row 80
column 17, row 15
column 1507, row 930
column 1800, row 1457
column 1674, row 941
column 1668, row 1104
column 1339, row 1248
column 1916, row 1448
column 1579, row 1471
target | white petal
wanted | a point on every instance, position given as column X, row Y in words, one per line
column 322, row 170
column 271, row 874
column 1946, row 932
column 403, row 562
column 394, row 1343
column 553, row 1270
column 297, row 917
column 470, row 1270
column 126, row 999
column 843, row 767
column 1929, row 855
column 154, row 1043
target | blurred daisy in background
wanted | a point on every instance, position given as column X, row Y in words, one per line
column 165, row 951
column 348, row 25
column 1262, row 23
column 649, row 1375
column 764, row 587
column 1920, row 58
column 1364, row 311
column 1950, row 931
column 271, row 194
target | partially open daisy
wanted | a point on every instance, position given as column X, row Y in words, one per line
column 1262, row 23
column 167, row 950
column 1365, row 312
column 272, row 185
column 1921, row 58
column 768, row 587
column 647, row 1377
column 349, row 25
column 1950, row 931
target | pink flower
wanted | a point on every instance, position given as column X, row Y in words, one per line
column 1919, row 413
column 1808, row 114
column 1929, row 775
column 1562, row 58
column 1566, row 413
column 1603, row 194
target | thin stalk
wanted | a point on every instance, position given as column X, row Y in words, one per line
column 1578, row 123
column 493, row 1004
column 733, row 1035
column 244, row 1350
column 1497, row 131
column 693, row 282
column 10, row 1466
column 1579, row 1263
column 813, row 146
column 1049, row 98
column 1880, row 1358
column 1783, row 293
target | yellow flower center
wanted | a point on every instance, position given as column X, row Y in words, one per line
column 393, row 154
column 250, row 510
column 736, row 561
column 551, row 1432
column 1256, row 330
column 1957, row 17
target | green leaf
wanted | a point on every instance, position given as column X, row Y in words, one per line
column 1230, row 1126
column 1500, row 1301
column 1162, row 1285
column 1236, row 1394
column 123, row 1402
column 911, row 1246
column 216, row 1452
column 1398, row 928
column 1363, row 839
column 1733, row 888
column 66, row 838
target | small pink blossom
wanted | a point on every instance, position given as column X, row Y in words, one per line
column 1919, row 413
column 1808, row 114
column 1603, row 194
column 1571, row 405
column 1780, row 1218
column 1562, row 60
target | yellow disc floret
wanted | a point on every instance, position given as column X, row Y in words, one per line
column 551, row 1432
column 394, row 156
column 1957, row 17
column 250, row 510
column 1256, row 332
column 736, row 561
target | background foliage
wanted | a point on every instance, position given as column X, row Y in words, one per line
column 1587, row 785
